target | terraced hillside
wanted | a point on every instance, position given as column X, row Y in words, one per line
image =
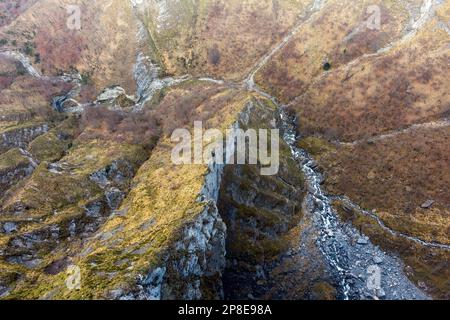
column 89, row 192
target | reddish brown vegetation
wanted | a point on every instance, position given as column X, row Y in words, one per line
column 136, row 128
column 181, row 109
column 396, row 174
column 389, row 97
column 10, row 9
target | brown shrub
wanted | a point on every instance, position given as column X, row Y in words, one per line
column 136, row 128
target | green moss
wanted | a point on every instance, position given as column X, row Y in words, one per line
column 324, row 291
column 48, row 147
column 315, row 146
column 28, row 49
column 20, row 126
column 12, row 159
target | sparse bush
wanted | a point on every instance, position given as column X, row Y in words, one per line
column 28, row 49
column 86, row 78
column 135, row 128
column 214, row 55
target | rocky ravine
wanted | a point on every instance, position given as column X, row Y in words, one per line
column 193, row 267
column 350, row 253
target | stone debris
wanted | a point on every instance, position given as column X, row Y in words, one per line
column 427, row 204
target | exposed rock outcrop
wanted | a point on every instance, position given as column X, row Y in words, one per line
column 21, row 136
column 15, row 165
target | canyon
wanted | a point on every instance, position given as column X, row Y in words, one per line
column 86, row 177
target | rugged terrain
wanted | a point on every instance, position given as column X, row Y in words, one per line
column 87, row 181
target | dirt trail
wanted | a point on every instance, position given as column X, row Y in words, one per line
column 427, row 125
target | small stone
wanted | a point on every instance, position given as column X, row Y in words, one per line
column 10, row 227
column 381, row 293
column 93, row 210
column 347, row 208
column 378, row 260
column 427, row 204
column 114, row 197
column 116, row 294
column 363, row 241
column 372, row 175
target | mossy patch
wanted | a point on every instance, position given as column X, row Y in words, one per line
column 316, row 146
column 323, row 291
column 53, row 145
column 12, row 159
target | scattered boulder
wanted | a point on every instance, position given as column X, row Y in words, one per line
column 116, row 94
column 94, row 209
column 10, row 227
column 114, row 198
column 378, row 260
column 381, row 293
column 363, row 241
column 57, row 266
column 427, row 204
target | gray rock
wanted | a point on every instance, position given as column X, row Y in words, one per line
column 363, row 241
column 114, row 197
column 347, row 208
column 381, row 293
column 72, row 228
column 378, row 260
column 10, row 227
column 427, row 204
column 94, row 209
column 153, row 282
column 112, row 93
column 116, row 294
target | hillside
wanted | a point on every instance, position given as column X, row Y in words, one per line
column 359, row 94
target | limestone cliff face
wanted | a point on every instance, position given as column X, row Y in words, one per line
column 263, row 215
column 193, row 267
